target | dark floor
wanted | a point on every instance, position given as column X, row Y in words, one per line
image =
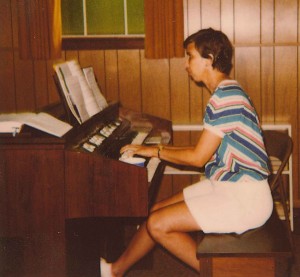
column 84, row 244
column 164, row 265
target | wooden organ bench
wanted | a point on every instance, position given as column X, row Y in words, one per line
column 262, row 252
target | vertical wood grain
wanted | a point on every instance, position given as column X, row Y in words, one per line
column 7, row 85
column 40, row 83
column 195, row 137
column 111, row 76
column 247, row 21
column 193, row 16
column 180, row 100
column 7, row 82
column 182, row 138
column 72, row 55
column 227, row 18
column 156, row 87
column 25, row 91
column 23, row 70
column 130, row 79
column 14, row 24
column 5, row 20
column 267, row 85
column 285, row 84
column 285, row 21
column 247, row 68
column 210, row 14
column 267, row 21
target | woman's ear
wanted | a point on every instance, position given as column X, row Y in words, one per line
column 210, row 60
column 212, row 57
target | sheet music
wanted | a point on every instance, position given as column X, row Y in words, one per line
column 73, row 85
column 80, row 89
column 65, row 90
column 90, row 77
column 42, row 121
column 87, row 94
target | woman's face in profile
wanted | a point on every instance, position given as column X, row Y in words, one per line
column 196, row 65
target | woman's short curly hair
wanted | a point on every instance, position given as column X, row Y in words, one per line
column 212, row 43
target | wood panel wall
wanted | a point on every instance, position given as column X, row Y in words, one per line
column 265, row 34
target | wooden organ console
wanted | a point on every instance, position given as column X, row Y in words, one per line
column 47, row 181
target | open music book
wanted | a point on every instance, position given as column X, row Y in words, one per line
column 80, row 89
column 13, row 122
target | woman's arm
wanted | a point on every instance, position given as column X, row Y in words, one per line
column 192, row 156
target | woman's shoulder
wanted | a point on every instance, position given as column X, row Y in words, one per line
column 230, row 95
column 229, row 86
column 229, row 90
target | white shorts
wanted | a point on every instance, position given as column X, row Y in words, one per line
column 229, row 207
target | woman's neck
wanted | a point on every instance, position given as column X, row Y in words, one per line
column 215, row 80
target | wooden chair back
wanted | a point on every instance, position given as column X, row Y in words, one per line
column 279, row 145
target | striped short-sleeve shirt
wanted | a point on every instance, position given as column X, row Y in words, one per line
column 241, row 154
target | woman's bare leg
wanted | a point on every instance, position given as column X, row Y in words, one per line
column 170, row 226
column 142, row 243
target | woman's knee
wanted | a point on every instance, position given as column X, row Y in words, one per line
column 156, row 227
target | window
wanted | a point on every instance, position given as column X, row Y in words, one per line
column 90, row 18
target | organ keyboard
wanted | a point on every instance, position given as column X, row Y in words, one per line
column 107, row 141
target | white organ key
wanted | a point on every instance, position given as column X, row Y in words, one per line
column 140, row 137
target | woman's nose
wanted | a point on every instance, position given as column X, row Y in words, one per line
column 186, row 64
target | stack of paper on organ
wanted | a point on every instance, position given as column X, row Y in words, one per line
column 80, row 90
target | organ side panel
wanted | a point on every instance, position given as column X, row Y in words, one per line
column 32, row 209
column 98, row 186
